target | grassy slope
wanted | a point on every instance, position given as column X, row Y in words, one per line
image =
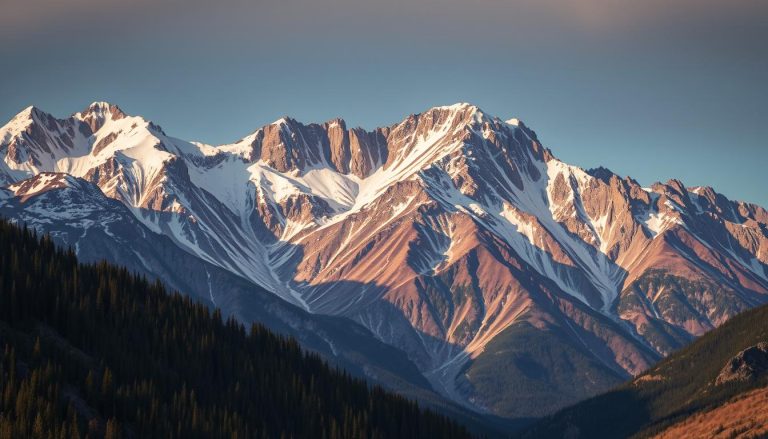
column 745, row 415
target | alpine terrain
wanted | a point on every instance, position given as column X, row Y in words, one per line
column 450, row 255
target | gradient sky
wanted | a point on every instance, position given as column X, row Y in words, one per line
column 653, row 89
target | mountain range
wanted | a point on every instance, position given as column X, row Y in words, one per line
column 450, row 256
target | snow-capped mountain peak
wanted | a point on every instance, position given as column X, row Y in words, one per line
column 442, row 234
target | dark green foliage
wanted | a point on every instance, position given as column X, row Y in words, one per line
column 536, row 368
column 94, row 350
column 675, row 388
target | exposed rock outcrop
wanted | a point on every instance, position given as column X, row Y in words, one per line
column 747, row 365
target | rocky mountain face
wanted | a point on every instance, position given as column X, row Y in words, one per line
column 515, row 283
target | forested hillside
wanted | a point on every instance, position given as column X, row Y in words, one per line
column 704, row 381
column 95, row 351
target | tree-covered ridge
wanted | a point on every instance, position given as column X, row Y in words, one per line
column 93, row 350
column 679, row 387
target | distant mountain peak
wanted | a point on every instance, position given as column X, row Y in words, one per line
column 102, row 106
column 20, row 122
column 463, row 111
column 97, row 113
column 458, row 106
column 285, row 120
column 336, row 121
column 28, row 116
column 27, row 112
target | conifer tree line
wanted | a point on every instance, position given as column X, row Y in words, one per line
column 93, row 351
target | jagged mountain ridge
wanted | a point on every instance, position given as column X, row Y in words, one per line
column 447, row 235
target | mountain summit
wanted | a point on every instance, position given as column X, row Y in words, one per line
column 514, row 282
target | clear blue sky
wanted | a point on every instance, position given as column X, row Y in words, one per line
column 652, row 89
